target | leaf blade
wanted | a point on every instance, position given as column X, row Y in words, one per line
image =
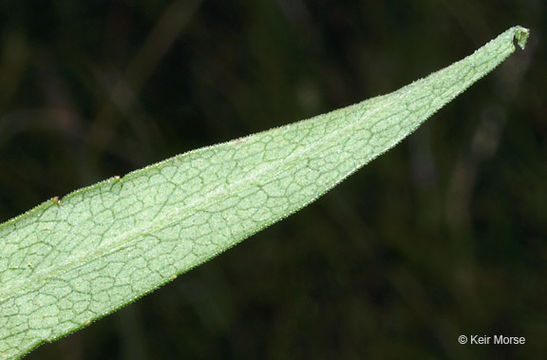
column 66, row 263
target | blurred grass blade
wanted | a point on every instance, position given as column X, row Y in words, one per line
column 68, row 262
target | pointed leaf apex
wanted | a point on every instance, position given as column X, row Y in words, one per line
column 521, row 35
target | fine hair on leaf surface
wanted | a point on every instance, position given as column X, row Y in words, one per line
column 72, row 260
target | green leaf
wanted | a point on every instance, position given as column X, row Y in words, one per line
column 71, row 261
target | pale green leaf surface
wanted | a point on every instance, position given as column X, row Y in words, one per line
column 70, row 261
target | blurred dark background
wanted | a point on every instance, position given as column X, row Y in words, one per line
column 444, row 235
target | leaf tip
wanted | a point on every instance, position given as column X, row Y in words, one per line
column 521, row 35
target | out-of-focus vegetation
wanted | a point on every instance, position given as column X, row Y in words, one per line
column 444, row 235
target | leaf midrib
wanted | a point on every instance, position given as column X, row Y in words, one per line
column 127, row 238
